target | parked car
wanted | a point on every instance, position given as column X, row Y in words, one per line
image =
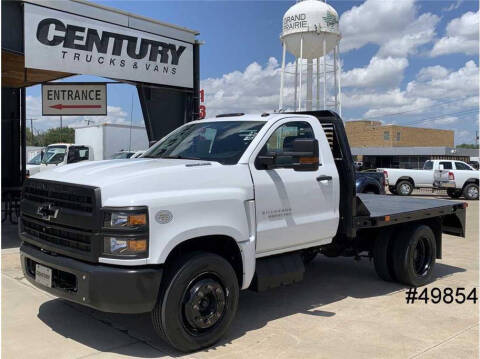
column 370, row 182
column 458, row 178
column 403, row 181
column 122, row 155
column 219, row 205
column 60, row 154
column 138, row 154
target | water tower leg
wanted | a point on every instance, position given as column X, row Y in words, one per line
column 339, row 84
column 318, row 83
column 301, row 70
column 324, row 73
column 295, row 85
column 335, row 78
column 282, row 74
column 309, row 84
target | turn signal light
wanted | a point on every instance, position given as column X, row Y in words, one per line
column 137, row 219
column 451, row 176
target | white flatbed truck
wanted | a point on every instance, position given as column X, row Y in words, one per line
column 219, row 205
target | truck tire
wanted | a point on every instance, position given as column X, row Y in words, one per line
column 470, row 191
column 197, row 302
column 454, row 193
column 414, row 253
column 404, row 188
column 382, row 256
column 392, row 189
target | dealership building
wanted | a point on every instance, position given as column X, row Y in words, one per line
column 378, row 145
column 43, row 41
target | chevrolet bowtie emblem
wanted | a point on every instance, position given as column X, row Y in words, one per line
column 47, row 211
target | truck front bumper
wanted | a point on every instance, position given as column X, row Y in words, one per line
column 106, row 288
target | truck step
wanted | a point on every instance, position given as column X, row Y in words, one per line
column 277, row 271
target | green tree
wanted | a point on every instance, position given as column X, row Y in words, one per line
column 467, row 145
column 56, row 135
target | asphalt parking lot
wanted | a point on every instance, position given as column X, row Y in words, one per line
column 341, row 309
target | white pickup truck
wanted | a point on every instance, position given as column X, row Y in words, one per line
column 219, row 205
column 403, row 181
column 458, row 178
column 59, row 154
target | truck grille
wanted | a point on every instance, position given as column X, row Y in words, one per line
column 60, row 195
column 58, row 236
column 62, row 218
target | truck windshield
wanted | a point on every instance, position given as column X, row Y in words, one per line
column 54, row 154
column 35, row 160
column 222, row 141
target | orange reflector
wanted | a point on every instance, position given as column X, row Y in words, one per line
column 308, row 160
column 137, row 219
column 465, row 204
column 387, row 218
column 137, row 245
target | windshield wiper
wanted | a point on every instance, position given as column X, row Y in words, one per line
column 180, row 157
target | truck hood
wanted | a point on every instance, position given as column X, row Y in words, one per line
column 134, row 180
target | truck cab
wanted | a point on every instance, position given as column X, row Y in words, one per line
column 60, row 154
column 219, row 205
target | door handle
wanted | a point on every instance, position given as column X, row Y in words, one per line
column 324, row 178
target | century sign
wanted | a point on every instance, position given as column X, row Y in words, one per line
column 74, row 99
column 58, row 41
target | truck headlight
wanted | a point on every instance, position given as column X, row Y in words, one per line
column 118, row 246
column 129, row 218
column 125, row 232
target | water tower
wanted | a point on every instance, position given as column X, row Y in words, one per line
column 310, row 32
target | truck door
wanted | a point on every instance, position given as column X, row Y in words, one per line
column 295, row 208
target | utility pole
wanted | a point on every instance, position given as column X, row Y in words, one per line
column 61, row 122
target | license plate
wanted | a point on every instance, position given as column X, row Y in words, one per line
column 43, row 275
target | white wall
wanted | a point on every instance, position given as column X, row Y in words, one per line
column 106, row 139
column 91, row 136
column 118, row 138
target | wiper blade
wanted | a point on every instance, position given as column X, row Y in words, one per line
column 179, row 157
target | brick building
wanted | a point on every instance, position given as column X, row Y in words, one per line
column 374, row 134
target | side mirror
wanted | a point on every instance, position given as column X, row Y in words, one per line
column 151, row 143
column 440, row 167
column 305, row 150
column 303, row 157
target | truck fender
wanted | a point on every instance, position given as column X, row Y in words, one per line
column 406, row 178
column 245, row 247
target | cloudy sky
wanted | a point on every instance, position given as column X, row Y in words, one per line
column 403, row 61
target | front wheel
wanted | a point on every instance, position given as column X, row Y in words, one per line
column 197, row 303
column 470, row 191
column 414, row 253
column 404, row 188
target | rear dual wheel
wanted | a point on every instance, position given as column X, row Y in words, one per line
column 197, row 302
column 407, row 257
column 404, row 188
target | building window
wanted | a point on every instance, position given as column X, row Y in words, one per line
column 386, row 135
column 398, row 136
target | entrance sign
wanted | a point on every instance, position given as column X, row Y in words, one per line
column 74, row 99
column 59, row 41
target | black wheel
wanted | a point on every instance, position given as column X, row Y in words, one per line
column 382, row 256
column 404, row 188
column 454, row 193
column 197, row 302
column 308, row 255
column 470, row 191
column 392, row 190
column 414, row 253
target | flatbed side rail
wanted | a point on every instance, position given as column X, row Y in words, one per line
column 453, row 218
